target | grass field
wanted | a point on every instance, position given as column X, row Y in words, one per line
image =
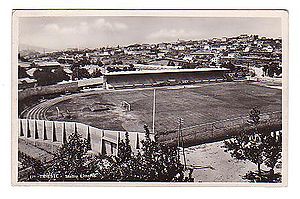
column 207, row 103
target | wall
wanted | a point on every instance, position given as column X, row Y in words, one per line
column 220, row 130
column 46, row 134
column 47, row 90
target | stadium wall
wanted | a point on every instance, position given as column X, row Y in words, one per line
column 50, row 135
column 220, row 130
column 48, row 90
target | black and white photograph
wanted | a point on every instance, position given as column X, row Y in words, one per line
column 150, row 97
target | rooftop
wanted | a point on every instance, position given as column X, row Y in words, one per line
column 47, row 64
column 165, row 71
column 26, row 80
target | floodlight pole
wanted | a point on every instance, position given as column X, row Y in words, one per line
column 153, row 122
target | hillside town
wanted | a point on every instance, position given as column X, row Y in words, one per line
column 242, row 54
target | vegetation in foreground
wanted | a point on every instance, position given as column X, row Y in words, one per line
column 154, row 162
column 75, row 162
column 261, row 147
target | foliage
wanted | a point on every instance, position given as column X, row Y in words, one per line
column 261, row 147
column 152, row 163
column 271, row 69
column 124, row 151
column 159, row 162
column 33, row 168
column 22, row 58
column 96, row 73
column 22, row 72
column 48, row 77
column 69, row 161
column 265, row 176
column 116, row 69
column 80, row 73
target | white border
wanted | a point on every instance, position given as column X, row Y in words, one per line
column 180, row 192
column 157, row 13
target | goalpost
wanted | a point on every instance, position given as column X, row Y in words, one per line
column 126, row 105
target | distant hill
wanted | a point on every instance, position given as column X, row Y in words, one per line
column 26, row 47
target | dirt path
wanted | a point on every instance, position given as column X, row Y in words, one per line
column 225, row 168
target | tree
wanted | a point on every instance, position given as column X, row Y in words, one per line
column 47, row 77
column 61, row 75
column 22, row 58
column 154, row 162
column 44, row 77
column 261, row 147
column 158, row 162
column 124, row 151
column 22, row 72
column 96, row 73
column 80, row 73
column 69, row 163
column 34, row 168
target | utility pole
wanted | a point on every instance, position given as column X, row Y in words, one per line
column 153, row 116
column 180, row 138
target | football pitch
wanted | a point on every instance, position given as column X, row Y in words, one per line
column 198, row 105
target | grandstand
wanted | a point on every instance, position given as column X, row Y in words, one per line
column 149, row 78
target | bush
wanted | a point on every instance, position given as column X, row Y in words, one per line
column 154, row 162
column 258, row 147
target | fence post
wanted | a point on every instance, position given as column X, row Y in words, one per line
column 21, row 128
column 64, row 135
column 137, row 146
column 118, row 141
column 102, row 145
column 53, row 132
column 89, row 138
column 36, row 133
column 28, row 129
column 45, row 130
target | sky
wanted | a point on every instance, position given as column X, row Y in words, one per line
column 92, row 32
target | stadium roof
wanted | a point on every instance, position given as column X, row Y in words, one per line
column 155, row 66
column 47, row 64
column 165, row 71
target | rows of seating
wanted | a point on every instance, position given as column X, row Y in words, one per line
column 160, row 79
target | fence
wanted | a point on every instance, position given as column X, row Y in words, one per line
column 50, row 135
column 220, row 130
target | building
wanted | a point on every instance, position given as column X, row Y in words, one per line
column 150, row 78
column 24, row 83
column 45, row 65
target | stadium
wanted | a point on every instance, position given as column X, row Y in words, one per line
column 204, row 100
